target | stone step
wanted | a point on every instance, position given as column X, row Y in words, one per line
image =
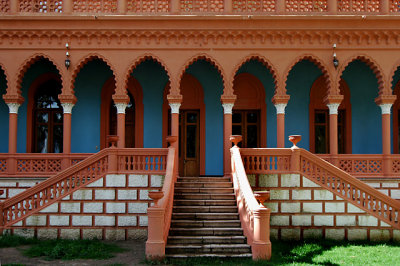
column 179, row 202
column 203, row 184
column 188, row 196
column 204, row 223
column 180, row 190
column 206, row 240
column 220, row 255
column 204, row 179
column 205, row 209
column 206, row 231
column 208, row 248
column 205, row 216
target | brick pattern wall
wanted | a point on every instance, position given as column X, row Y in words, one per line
column 14, row 186
column 111, row 208
column 301, row 209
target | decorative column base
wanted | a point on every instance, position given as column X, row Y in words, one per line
column 261, row 251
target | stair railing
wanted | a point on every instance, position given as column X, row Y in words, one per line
column 326, row 175
column 159, row 215
column 254, row 217
column 107, row 161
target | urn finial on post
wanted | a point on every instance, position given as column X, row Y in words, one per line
column 235, row 139
column 294, row 139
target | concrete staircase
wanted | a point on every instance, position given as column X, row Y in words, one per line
column 205, row 220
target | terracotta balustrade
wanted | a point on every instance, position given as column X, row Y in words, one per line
column 107, row 161
column 159, row 215
column 254, row 216
column 336, row 181
column 176, row 7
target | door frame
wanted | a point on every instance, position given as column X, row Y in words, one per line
column 182, row 140
column 193, row 99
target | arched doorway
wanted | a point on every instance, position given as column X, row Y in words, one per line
column 45, row 115
column 319, row 119
column 249, row 111
column 133, row 114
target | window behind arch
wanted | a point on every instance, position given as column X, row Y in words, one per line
column 48, row 119
column 129, row 121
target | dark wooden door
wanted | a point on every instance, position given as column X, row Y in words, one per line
column 189, row 138
column 247, row 124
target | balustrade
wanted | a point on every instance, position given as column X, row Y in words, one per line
column 176, row 7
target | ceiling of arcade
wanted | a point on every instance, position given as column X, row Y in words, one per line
column 226, row 43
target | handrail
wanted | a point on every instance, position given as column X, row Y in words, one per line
column 338, row 182
column 254, row 217
column 66, row 182
column 182, row 7
column 159, row 215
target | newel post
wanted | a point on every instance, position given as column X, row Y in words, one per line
column 155, row 244
column 112, row 155
column 261, row 247
column 295, row 159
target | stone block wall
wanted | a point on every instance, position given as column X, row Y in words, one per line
column 389, row 187
column 14, row 186
column 111, row 208
column 301, row 209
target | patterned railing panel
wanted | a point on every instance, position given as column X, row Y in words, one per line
column 207, row 6
column 358, row 6
column 256, row 6
column 259, row 163
column 3, row 165
column 143, row 160
column 95, row 6
column 4, row 6
column 146, row 6
column 41, row 6
column 47, row 192
column 306, row 6
column 349, row 188
column 394, row 6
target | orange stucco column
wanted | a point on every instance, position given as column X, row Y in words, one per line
column 333, row 128
column 121, row 124
column 67, row 107
column 386, row 145
column 175, row 130
column 12, row 136
column 280, row 124
column 12, row 128
column 227, row 133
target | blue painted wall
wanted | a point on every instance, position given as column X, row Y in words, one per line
column 85, row 127
column 3, row 115
column 212, row 85
column 37, row 69
column 298, row 86
column 264, row 75
column 153, row 79
column 365, row 114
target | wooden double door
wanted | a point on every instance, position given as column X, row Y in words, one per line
column 189, row 143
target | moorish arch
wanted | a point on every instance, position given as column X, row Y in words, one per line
column 383, row 89
column 25, row 67
column 83, row 62
column 2, row 68
column 212, row 62
column 259, row 58
column 139, row 61
column 318, row 63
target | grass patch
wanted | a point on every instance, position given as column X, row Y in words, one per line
column 319, row 252
column 72, row 249
column 8, row 240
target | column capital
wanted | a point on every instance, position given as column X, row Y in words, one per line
column 121, row 107
column 64, row 98
column 333, row 99
column 67, row 107
column 174, row 98
column 175, row 108
column 284, row 98
column 118, row 98
column 13, row 107
column 228, row 99
column 385, row 107
column 333, row 108
column 280, row 108
column 385, row 99
column 227, row 108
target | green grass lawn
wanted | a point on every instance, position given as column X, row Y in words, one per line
column 314, row 253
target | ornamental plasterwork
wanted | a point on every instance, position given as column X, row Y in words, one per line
column 13, row 107
column 280, row 108
column 67, row 107
column 200, row 37
column 227, row 108
column 333, row 108
column 121, row 107
column 386, row 108
column 175, row 108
